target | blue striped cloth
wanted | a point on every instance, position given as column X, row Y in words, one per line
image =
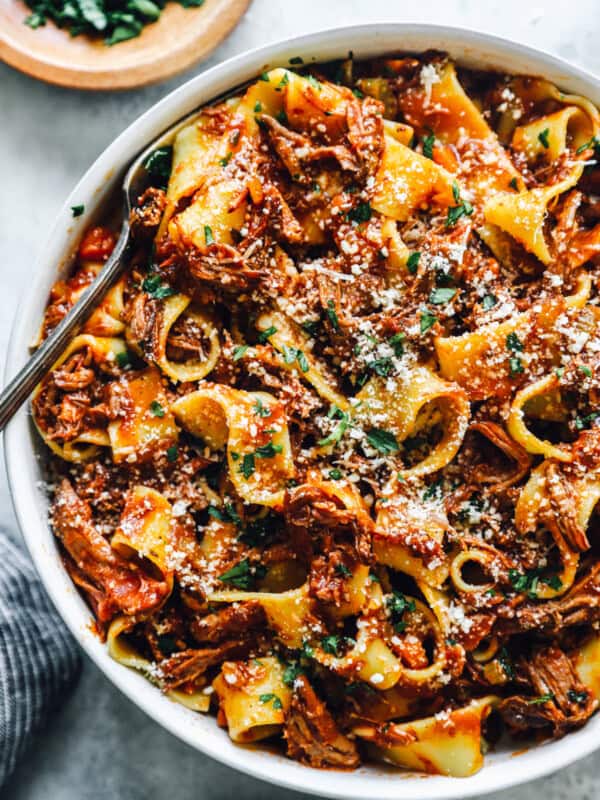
column 38, row 658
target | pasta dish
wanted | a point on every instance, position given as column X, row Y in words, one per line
column 325, row 460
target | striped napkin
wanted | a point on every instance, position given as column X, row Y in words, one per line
column 39, row 660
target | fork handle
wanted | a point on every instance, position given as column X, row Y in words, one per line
column 22, row 385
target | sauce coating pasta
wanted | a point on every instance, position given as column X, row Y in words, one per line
column 326, row 460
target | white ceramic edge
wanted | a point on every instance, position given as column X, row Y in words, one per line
column 502, row 770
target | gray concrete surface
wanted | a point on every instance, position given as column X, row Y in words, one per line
column 100, row 747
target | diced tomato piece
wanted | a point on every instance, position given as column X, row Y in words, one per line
column 97, row 244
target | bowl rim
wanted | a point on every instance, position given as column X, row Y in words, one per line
column 20, row 450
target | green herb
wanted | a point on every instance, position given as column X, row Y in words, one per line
column 239, row 352
column 339, row 430
column 397, row 605
column 264, row 76
column 290, row 673
column 156, row 409
column 269, row 450
column 335, row 474
column 123, row 359
column 172, row 453
column 383, row 441
column 270, row 697
column 154, row 286
column 361, row 213
column 291, row 354
column 311, row 327
column 514, row 184
column 228, row 514
column 559, row 372
column 581, row 423
column 357, row 93
column 208, row 235
column 258, row 531
column 543, row 698
column 35, row 20
column 412, row 263
column 593, row 143
column 506, row 663
column 314, row 82
column 307, row 650
column 396, row 342
column 282, row 117
column 382, row 366
column 440, row 296
column 585, row 369
column 284, row 81
column 224, row 161
column 462, row 208
column 515, row 366
column 77, row 211
column 264, row 335
column 343, row 570
column 514, row 343
column 243, row 575
column 433, row 491
column 247, row 465
column 428, row 142
column 577, row 697
column 543, row 137
column 428, row 320
column 489, row 301
column 257, row 107
column 158, row 165
column 332, row 315
column 261, row 410
column 528, row 581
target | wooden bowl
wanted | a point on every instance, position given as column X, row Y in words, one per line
column 179, row 38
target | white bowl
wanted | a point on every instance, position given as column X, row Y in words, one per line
column 502, row 768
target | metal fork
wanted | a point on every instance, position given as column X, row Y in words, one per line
column 22, row 385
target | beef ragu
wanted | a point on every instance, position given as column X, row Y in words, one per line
column 326, row 459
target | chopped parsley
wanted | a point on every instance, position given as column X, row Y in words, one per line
column 264, row 335
column 290, row 673
column 282, row 117
column 335, row 474
column 397, row 605
column 77, row 211
column 543, row 698
column 227, row 514
column 208, row 235
column 396, row 342
column 123, row 359
column 332, row 315
column 433, row 491
column 333, row 644
column 585, row 369
column 593, row 143
column 581, row 423
column 383, row 441
column 154, row 286
column 239, row 352
column 412, row 263
column 514, row 184
column 528, row 581
column 543, row 138
column 441, row 295
column 462, row 208
column 156, row 409
column 428, row 320
column 339, row 430
column 243, row 575
column 343, row 570
column 264, row 76
column 158, row 165
column 428, row 142
column 257, row 107
column 361, row 213
column 514, row 343
column 224, row 161
column 172, row 453
column 269, row 450
column 577, row 697
column 247, row 465
column 270, row 697
column 260, row 409
column 489, row 301
column 506, row 663
column 515, row 366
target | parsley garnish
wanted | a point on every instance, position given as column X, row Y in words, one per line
column 208, row 235
column 339, row 430
column 577, row 697
column 433, row 491
column 489, row 301
column 383, row 441
column 269, row 450
column 335, row 474
column 515, row 366
column 361, row 213
column 261, row 410
column 343, row 570
column 154, row 286
column 239, row 352
column 264, row 76
column 224, row 161
column 158, row 165
column 428, row 142
column 585, row 369
column 593, row 143
column 291, row 354
column 282, row 117
column 247, row 465
column 243, row 575
column 506, row 663
column 543, row 137
column 440, row 296
column 514, row 184
column 172, row 453
column 428, row 320
column 528, row 581
column 396, row 342
column 267, row 698
column 583, row 422
column 462, row 208
column 77, row 211
column 264, row 335
column 514, row 343
column 412, row 263
column 156, row 409
column 543, row 698
column 333, row 317
column 123, row 359
column 397, row 604
column 257, row 107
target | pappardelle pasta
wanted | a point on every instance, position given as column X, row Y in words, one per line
column 326, row 460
